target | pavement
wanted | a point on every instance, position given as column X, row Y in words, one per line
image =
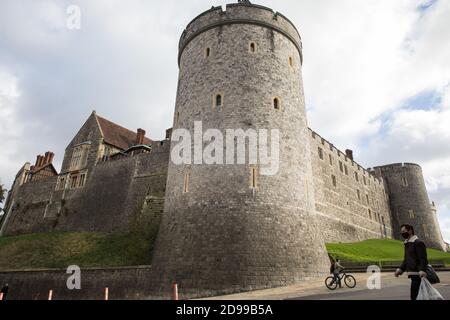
column 391, row 288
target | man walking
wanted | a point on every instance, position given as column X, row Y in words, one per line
column 415, row 261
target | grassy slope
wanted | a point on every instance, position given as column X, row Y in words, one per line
column 377, row 250
column 59, row 250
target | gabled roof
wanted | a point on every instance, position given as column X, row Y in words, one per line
column 48, row 165
column 118, row 136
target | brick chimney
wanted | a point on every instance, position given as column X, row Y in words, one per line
column 48, row 158
column 140, row 135
column 40, row 161
column 349, row 154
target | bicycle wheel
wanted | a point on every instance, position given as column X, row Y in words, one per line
column 330, row 283
column 350, row 281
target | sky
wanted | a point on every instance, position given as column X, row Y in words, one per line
column 376, row 76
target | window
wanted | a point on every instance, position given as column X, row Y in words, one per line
column 207, row 52
column 186, row 183
column 358, row 193
column 346, row 169
column 61, row 185
column 177, row 117
column 370, row 214
column 79, row 156
column 218, row 101
column 320, row 153
column 252, row 47
column 253, row 178
column 356, row 176
column 404, row 181
column 73, row 182
column 365, row 181
column 331, row 159
column 367, row 198
column 291, row 61
column 341, row 166
column 333, row 180
column 82, row 180
column 77, row 180
column 276, row 103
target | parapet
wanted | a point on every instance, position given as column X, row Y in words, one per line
column 240, row 13
column 344, row 156
column 397, row 166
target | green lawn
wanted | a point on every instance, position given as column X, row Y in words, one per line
column 59, row 250
column 378, row 250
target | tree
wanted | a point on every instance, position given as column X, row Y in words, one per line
column 2, row 195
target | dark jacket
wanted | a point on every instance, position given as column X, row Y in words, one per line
column 415, row 259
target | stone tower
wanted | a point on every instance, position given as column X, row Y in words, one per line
column 228, row 227
column 410, row 204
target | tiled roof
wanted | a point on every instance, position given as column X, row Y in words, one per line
column 118, row 136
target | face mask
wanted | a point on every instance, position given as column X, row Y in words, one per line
column 405, row 235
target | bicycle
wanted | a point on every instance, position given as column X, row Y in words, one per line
column 349, row 281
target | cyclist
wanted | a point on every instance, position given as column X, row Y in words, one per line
column 336, row 269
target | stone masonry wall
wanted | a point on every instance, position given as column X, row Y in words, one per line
column 123, row 283
column 410, row 202
column 223, row 234
column 343, row 215
column 114, row 193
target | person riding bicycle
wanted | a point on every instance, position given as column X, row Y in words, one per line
column 336, row 269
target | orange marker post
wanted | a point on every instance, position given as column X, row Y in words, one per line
column 175, row 291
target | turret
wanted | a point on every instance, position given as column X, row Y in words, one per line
column 230, row 226
column 409, row 202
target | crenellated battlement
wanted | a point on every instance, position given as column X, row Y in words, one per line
column 369, row 173
column 398, row 166
column 240, row 13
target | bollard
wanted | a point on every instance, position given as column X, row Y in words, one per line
column 106, row 293
column 50, row 295
column 175, row 291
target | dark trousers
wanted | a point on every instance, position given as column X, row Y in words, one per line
column 415, row 285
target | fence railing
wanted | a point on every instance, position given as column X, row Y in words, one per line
column 385, row 264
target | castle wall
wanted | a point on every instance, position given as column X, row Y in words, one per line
column 342, row 215
column 113, row 195
column 27, row 208
column 222, row 233
column 123, row 283
column 410, row 203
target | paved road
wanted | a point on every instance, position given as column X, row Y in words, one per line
column 393, row 289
